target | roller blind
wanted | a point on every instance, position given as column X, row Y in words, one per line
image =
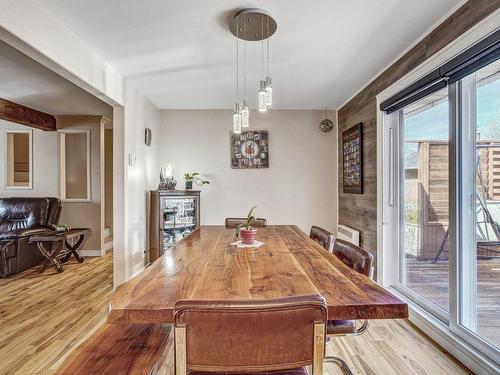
column 476, row 57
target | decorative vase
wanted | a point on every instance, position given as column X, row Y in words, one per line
column 188, row 185
column 248, row 236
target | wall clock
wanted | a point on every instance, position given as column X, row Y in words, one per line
column 250, row 149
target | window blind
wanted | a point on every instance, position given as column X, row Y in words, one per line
column 474, row 58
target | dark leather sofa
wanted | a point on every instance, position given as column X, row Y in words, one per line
column 20, row 218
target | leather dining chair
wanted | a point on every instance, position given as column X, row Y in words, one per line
column 233, row 222
column 323, row 237
column 359, row 260
column 273, row 336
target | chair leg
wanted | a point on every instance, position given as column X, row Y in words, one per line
column 318, row 348
column 180, row 350
column 340, row 362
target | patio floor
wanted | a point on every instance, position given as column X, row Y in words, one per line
column 431, row 280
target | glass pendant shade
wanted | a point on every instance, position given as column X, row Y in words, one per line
column 269, row 91
column 245, row 115
column 262, row 97
column 236, row 119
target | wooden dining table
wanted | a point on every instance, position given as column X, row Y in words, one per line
column 205, row 265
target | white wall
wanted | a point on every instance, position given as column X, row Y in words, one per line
column 299, row 187
column 32, row 29
column 45, row 163
column 141, row 177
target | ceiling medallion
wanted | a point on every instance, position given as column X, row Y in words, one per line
column 247, row 25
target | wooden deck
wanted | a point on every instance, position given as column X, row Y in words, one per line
column 431, row 280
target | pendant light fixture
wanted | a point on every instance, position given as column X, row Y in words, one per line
column 262, row 90
column 245, row 113
column 252, row 25
column 262, row 96
column 236, row 111
column 236, row 119
column 269, row 86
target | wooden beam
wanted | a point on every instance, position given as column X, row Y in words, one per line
column 20, row 114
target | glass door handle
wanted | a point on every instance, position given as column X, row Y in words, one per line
column 390, row 197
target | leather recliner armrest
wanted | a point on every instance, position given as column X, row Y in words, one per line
column 20, row 233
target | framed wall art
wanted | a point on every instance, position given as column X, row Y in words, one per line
column 250, row 149
column 352, row 159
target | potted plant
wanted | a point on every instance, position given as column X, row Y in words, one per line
column 247, row 231
column 189, row 178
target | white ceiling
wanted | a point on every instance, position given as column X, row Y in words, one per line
column 181, row 54
column 26, row 82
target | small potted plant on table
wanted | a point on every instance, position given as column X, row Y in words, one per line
column 189, row 178
column 247, row 231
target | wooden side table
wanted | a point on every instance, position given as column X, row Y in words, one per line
column 63, row 249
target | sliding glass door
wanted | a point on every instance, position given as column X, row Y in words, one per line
column 424, row 185
column 477, row 100
column 442, row 153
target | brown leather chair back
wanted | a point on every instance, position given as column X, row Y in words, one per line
column 249, row 335
column 323, row 237
column 23, row 213
column 27, row 212
column 233, row 222
column 354, row 256
column 54, row 213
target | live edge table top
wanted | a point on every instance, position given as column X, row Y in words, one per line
column 205, row 265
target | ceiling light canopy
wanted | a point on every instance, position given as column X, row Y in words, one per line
column 247, row 25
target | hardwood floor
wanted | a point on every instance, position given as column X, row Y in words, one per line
column 42, row 317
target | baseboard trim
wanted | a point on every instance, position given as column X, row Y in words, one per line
column 441, row 334
column 90, row 253
column 108, row 245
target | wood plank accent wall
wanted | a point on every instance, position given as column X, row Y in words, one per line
column 360, row 211
column 20, row 114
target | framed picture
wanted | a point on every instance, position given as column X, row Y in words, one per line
column 352, row 159
column 250, row 149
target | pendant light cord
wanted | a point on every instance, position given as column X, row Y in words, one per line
column 237, row 59
column 267, row 34
column 245, row 62
column 262, row 46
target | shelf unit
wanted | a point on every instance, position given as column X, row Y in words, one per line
column 174, row 214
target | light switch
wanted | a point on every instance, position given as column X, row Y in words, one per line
column 132, row 160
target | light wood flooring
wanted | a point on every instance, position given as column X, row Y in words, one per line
column 42, row 317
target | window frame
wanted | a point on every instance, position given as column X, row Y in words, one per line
column 62, row 165
column 398, row 177
column 6, row 158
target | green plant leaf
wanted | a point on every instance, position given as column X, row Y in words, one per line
column 238, row 230
column 250, row 222
column 251, row 211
